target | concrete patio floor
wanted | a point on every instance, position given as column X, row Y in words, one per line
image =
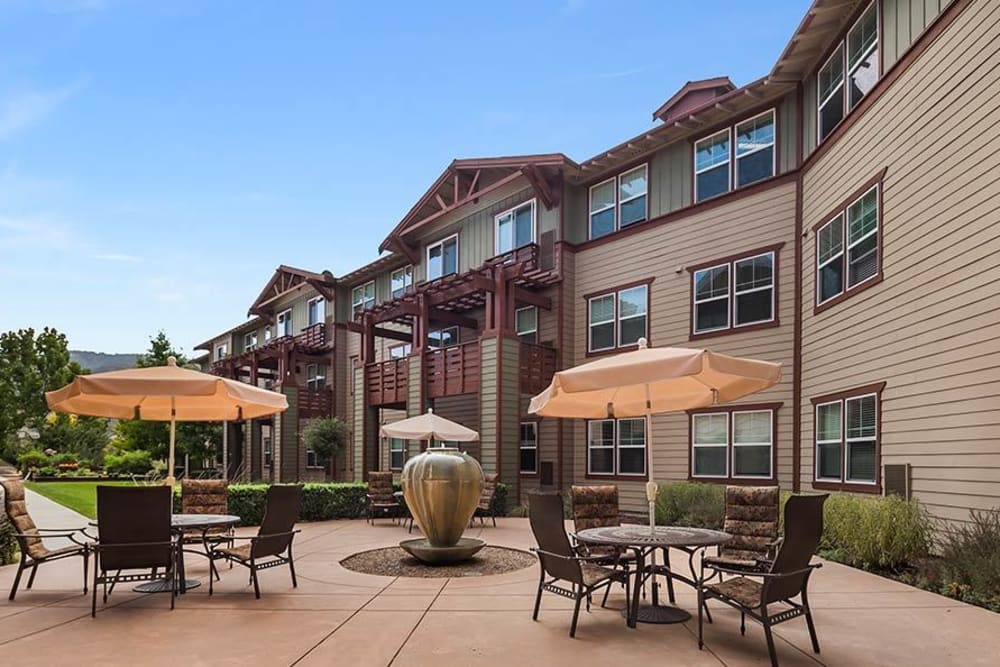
column 340, row 617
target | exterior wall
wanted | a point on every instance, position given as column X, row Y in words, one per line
column 509, row 396
column 489, row 385
column 931, row 329
column 463, row 409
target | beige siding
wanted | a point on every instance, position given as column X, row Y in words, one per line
column 463, row 409
column 931, row 329
column 488, row 407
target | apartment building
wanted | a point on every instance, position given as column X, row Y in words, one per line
column 838, row 215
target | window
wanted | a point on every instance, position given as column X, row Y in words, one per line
column 733, row 294
column 529, row 447
column 397, row 453
column 267, row 333
column 442, row 337
column 400, row 351
column 442, row 258
column 618, row 202
column 733, row 444
column 753, row 157
column 401, row 281
column 857, row 56
column 317, row 310
column 616, row 447
column 363, row 297
column 847, row 438
column 268, row 453
column 315, row 376
column 250, row 340
column 526, row 323
column 284, row 322
column 312, row 461
column 617, row 319
column 841, row 267
column 515, row 228
column 221, row 351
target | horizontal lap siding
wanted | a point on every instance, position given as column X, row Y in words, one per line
column 749, row 223
column 931, row 329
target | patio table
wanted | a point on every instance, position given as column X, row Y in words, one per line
column 642, row 540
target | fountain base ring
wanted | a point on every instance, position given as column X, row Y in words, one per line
column 423, row 551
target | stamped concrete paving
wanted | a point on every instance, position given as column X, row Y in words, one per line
column 340, row 617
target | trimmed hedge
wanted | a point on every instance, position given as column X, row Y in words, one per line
column 691, row 504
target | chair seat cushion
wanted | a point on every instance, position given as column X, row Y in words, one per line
column 740, row 589
column 241, row 552
column 44, row 553
column 610, row 555
column 733, row 562
column 595, row 574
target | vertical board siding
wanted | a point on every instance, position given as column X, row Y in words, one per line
column 931, row 329
column 488, row 407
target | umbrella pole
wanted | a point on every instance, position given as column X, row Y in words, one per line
column 173, row 437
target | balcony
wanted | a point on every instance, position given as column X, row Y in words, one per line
column 453, row 370
column 387, row 382
column 537, row 364
column 315, row 403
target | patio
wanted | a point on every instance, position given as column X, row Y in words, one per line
column 338, row 616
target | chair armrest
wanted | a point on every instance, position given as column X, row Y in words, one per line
column 582, row 559
column 97, row 546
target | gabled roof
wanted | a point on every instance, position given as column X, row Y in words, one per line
column 372, row 269
column 467, row 180
column 248, row 325
column 288, row 278
column 824, row 20
column 692, row 95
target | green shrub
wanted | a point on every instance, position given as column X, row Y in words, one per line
column 875, row 533
column 691, row 504
column 33, row 458
column 8, row 545
column 969, row 566
column 136, row 462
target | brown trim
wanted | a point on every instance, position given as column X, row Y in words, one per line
column 647, row 282
column 852, row 487
column 617, row 288
column 729, row 261
column 614, row 476
column 876, row 181
column 729, row 410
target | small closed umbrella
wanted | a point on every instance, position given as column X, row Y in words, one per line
column 165, row 393
column 429, row 426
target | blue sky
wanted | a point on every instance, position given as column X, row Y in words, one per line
column 159, row 159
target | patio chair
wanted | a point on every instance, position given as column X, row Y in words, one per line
column 29, row 537
column 752, row 520
column 206, row 496
column 381, row 502
column 489, row 492
column 786, row 578
column 135, row 534
column 272, row 546
column 597, row 507
column 561, row 562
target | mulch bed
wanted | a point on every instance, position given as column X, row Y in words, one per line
column 394, row 562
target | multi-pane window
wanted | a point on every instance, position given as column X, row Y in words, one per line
column 529, row 447
column 315, row 376
column 515, row 228
column 267, row 334
column 442, row 337
column 397, row 453
column 268, row 452
column 221, row 351
column 317, row 310
column 847, row 252
column 526, row 324
column 617, row 319
column 616, row 447
column 363, row 297
column 847, row 440
column 720, row 165
column 284, row 323
column 734, row 294
column 400, row 351
column 250, row 340
column 442, row 258
column 851, row 71
column 619, row 201
column 401, row 281
column 733, row 444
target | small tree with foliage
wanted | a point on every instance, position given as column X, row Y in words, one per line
column 326, row 436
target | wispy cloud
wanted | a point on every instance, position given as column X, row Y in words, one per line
column 23, row 109
column 34, row 234
column 621, row 74
column 116, row 257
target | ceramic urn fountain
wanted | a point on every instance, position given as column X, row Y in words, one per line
column 442, row 488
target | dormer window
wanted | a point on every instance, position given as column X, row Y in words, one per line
column 401, row 281
column 515, row 228
column 442, row 258
column 857, row 55
column 618, row 202
column 363, row 297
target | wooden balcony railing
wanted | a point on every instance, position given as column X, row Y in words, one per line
column 312, row 337
column 387, row 381
column 537, row 365
column 453, row 370
column 315, row 403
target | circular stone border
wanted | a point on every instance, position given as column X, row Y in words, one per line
column 394, row 562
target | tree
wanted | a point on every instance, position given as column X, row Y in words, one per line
column 325, row 436
column 83, row 437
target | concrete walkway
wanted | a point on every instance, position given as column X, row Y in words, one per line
column 340, row 617
column 50, row 514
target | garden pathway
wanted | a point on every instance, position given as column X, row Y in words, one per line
column 50, row 514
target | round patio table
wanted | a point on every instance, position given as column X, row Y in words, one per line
column 179, row 523
column 642, row 540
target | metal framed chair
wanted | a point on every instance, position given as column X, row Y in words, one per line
column 752, row 520
column 206, row 496
column 597, row 507
column 381, row 501
column 560, row 563
column 29, row 538
column 272, row 546
column 787, row 577
column 489, row 492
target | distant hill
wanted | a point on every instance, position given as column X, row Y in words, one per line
column 98, row 362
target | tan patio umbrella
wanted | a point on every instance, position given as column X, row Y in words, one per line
column 165, row 393
column 649, row 381
column 429, row 426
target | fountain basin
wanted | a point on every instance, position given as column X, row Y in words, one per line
column 425, row 552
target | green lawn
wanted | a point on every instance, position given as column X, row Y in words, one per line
column 78, row 496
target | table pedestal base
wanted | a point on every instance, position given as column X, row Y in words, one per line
column 163, row 586
column 660, row 614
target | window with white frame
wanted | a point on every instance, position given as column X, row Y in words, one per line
column 400, row 351
column 267, row 333
column 316, row 310
column 616, row 447
column 619, row 201
column 397, row 453
column 617, row 319
column 526, row 323
column 442, row 258
column 733, row 444
column 850, row 72
column 515, row 228
column 401, row 281
column 363, row 297
column 721, row 165
column 755, row 156
column 711, row 166
column 250, row 340
column 221, row 350
column 847, row 439
column 315, row 376
column 529, row 447
column 842, row 267
column 284, row 323
column 734, row 294
column 442, row 337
